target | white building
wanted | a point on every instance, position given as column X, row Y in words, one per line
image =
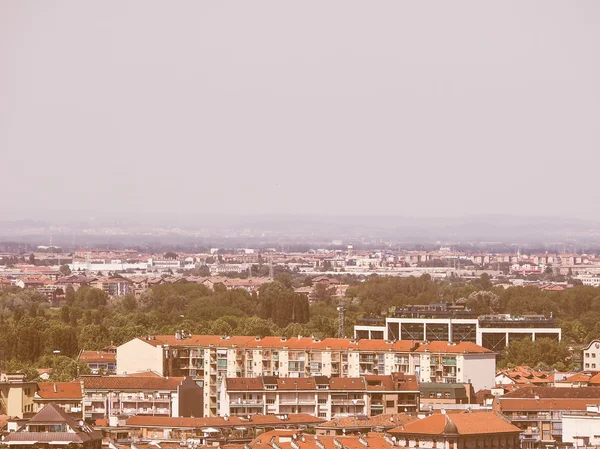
column 582, row 429
column 492, row 331
column 591, row 356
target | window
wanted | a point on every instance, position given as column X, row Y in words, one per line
column 593, row 365
column 446, row 395
column 322, row 415
column 593, row 355
column 587, row 365
column 389, row 403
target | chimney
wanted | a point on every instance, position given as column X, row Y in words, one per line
column 55, row 388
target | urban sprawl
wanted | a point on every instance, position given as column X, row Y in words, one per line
column 322, row 349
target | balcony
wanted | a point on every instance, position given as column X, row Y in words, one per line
column 348, row 401
column 247, row 403
column 535, row 417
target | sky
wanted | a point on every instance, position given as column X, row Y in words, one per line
column 400, row 108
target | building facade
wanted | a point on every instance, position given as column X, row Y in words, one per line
column 210, row 358
column 320, row 396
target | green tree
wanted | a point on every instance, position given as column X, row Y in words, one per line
column 64, row 270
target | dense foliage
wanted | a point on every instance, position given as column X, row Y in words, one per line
column 31, row 332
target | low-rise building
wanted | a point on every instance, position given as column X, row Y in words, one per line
column 66, row 395
column 217, row 430
column 538, row 411
column 100, row 362
column 458, row 431
column 52, row 428
column 364, row 424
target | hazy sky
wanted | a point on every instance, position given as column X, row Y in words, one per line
column 414, row 108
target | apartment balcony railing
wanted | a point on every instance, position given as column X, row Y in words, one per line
column 348, row 401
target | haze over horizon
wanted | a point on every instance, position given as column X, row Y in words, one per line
column 335, row 108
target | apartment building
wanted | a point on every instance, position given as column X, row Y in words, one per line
column 320, row 396
column 210, row 358
column 538, row 411
column 112, row 287
column 106, row 396
column 451, row 363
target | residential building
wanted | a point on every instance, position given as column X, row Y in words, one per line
column 538, row 411
column 459, row 431
column 52, row 428
column 67, row 395
column 451, row 363
column 320, row 396
column 582, row 429
column 17, row 395
column 149, row 394
column 210, row 357
column 294, row 439
column 100, row 362
column 439, row 393
column 591, row 356
column 217, row 430
column 364, row 424
column 112, row 286
column 523, row 375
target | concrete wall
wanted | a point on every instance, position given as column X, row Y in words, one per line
column 477, row 369
column 138, row 355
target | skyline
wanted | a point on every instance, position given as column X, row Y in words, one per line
column 330, row 109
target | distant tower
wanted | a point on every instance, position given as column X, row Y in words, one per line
column 350, row 248
column 271, row 270
column 341, row 309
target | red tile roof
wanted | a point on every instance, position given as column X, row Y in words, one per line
column 305, row 343
column 97, row 357
column 523, row 405
column 130, row 383
column 255, row 420
column 459, row 423
column 59, row 390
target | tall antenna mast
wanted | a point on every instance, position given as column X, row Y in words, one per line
column 341, row 309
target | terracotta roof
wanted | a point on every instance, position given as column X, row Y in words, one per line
column 300, row 383
column 554, row 393
column 284, row 441
column 59, row 390
column 130, row 383
column 384, row 421
column 255, row 420
column 453, row 348
column 243, row 383
column 305, row 343
column 347, row 383
column 97, row 357
column 579, row 377
column 515, row 405
column 459, row 423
